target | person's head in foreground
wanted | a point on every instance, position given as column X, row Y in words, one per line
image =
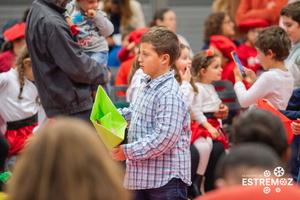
column 65, row 161
column 249, row 160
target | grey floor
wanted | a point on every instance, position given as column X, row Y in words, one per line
column 190, row 16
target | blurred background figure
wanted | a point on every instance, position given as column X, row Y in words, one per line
column 59, row 171
column 167, row 17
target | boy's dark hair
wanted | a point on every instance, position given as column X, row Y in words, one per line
column 247, row 156
column 262, row 126
column 213, row 25
column 292, row 10
column 276, row 39
column 163, row 41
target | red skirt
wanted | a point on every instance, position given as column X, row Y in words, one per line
column 199, row 131
column 17, row 138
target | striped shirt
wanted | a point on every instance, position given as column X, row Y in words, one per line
column 158, row 136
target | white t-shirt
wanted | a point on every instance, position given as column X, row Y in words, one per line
column 274, row 85
column 11, row 107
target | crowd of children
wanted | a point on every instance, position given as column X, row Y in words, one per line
column 175, row 133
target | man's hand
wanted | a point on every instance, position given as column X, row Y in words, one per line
column 222, row 113
column 296, row 127
column 91, row 13
column 118, row 153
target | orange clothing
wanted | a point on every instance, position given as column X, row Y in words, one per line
column 253, row 192
column 259, row 9
column 123, row 73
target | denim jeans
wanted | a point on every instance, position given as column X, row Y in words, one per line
column 175, row 189
column 101, row 57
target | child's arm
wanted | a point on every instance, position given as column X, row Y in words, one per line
column 170, row 123
column 212, row 130
column 106, row 28
column 258, row 90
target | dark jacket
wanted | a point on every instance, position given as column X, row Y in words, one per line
column 293, row 109
column 62, row 72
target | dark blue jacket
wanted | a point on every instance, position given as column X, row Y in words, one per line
column 62, row 72
column 293, row 109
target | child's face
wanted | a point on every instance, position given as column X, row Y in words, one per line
column 213, row 72
column 263, row 59
column 86, row 5
column 184, row 61
column 228, row 27
column 151, row 63
column 292, row 28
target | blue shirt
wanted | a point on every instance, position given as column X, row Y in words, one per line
column 158, row 136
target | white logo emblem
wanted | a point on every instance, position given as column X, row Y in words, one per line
column 279, row 171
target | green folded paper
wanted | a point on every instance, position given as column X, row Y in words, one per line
column 107, row 120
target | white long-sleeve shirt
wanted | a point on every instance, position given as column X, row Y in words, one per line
column 274, row 85
column 207, row 99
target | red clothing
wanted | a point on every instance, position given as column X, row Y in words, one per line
column 124, row 55
column 17, row 138
column 123, row 73
column 259, row 9
column 248, row 57
column 7, row 59
column 199, row 131
column 239, row 192
column 228, row 73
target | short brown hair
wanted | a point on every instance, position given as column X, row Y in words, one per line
column 163, row 41
column 275, row 39
column 292, row 10
column 213, row 25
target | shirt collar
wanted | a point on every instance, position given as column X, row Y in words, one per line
column 153, row 83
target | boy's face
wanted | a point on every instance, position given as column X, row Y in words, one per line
column 292, row 28
column 263, row 59
column 151, row 63
column 86, row 5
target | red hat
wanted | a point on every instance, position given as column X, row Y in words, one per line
column 15, row 32
column 223, row 44
column 249, row 24
column 135, row 35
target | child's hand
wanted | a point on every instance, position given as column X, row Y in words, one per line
column 186, row 76
column 130, row 46
column 296, row 127
column 118, row 153
column 250, row 76
column 214, row 132
column 222, row 113
column 91, row 13
column 237, row 74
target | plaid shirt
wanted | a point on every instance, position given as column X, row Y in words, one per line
column 159, row 135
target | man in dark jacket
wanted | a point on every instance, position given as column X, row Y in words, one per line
column 62, row 72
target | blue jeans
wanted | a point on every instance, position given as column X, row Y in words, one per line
column 295, row 158
column 101, row 57
column 175, row 189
